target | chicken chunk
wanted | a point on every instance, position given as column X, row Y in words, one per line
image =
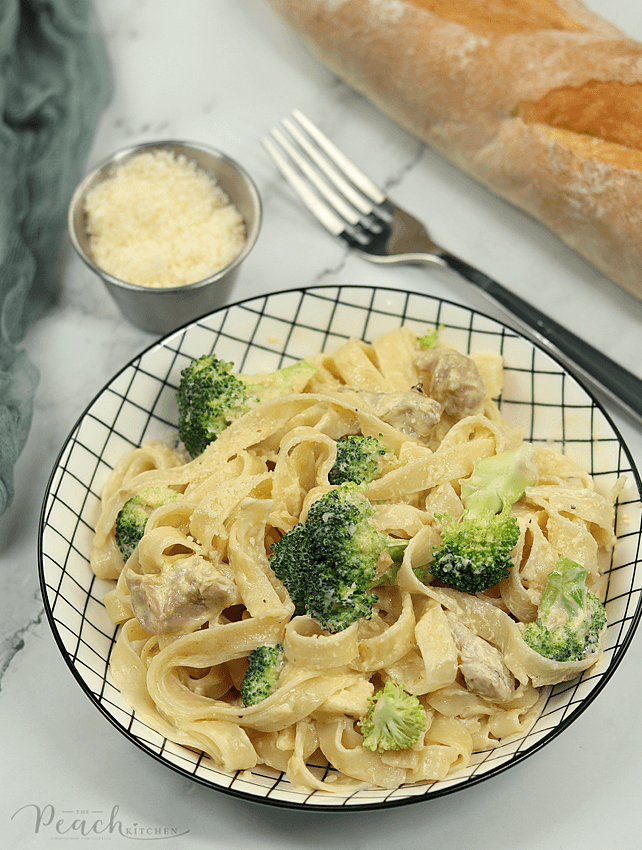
column 409, row 411
column 182, row 596
column 452, row 379
column 481, row 664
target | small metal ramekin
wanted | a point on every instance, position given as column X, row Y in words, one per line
column 161, row 310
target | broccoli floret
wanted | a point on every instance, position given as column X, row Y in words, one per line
column 210, row 397
column 328, row 564
column 132, row 517
column 570, row 619
column 359, row 459
column 475, row 551
column 263, row 669
column 395, row 720
column 291, row 562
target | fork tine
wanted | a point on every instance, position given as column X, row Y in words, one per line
column 321, row 211
column 335, row 201
column 361, row 180
column 325, row 165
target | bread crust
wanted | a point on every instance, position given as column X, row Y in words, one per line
column 463, row 91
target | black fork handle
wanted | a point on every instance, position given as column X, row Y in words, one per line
column 587, row 363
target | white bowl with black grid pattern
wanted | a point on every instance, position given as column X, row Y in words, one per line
column 266, row 333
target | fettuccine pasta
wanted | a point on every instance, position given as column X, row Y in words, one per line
column 203, row 567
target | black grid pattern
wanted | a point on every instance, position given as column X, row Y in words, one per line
column 266, row 333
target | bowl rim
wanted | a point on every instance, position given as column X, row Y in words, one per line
column 425, row 795
column 126, row 153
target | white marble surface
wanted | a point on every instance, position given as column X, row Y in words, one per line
column 222, row 72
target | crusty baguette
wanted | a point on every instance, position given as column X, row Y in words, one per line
column 539, row 100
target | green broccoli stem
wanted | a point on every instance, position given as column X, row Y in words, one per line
column 498, row 481
column 565, row 588
column 289, row 379
column 395, row 548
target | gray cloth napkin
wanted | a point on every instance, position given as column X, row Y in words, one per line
column 54, row 83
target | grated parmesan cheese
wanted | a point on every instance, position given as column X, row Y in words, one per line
column 161, row 221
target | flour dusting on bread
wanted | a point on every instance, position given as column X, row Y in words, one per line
column 536, row 99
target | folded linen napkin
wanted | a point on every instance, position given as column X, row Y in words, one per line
column 54, row 83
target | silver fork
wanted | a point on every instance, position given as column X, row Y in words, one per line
column 350, row 206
